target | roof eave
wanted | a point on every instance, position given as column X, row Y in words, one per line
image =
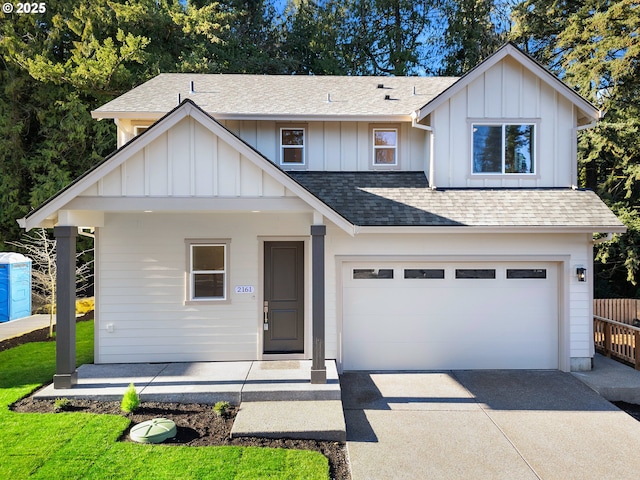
column 156, row 115
column 469, row 229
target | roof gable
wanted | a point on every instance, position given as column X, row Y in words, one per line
column 589, row 111
column 140, row 170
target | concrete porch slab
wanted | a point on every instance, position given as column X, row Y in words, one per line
column 105, row 382
column 315, row 420
column 289, row 380
column 198, row 382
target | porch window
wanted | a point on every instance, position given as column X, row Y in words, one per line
column 503, row 149
column 208, row 268
column 385, row 146
column 292, row 146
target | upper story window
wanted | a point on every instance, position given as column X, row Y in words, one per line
column 385, row 146
column 292, row 146
column 504, row 148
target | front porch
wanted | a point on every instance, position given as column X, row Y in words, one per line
column 276, row 398
column 201, row 382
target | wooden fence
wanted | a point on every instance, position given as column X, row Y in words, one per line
column 617, row 340
column 623, row 310
column 616, row 328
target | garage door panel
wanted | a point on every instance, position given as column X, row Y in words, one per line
column 450, row 323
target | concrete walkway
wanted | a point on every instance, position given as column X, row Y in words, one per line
column 485, row 425
column 20, row 326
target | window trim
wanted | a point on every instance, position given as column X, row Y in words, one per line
column 397, row 148
column 502, row 123
column 189, row 272
column 281, row 147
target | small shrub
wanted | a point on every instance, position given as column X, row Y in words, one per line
column 61, row 404
column 130, row 400
column 85, row 305
column 220, row 408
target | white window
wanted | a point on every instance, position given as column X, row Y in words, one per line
column 292, row 146
column 138, row 129
column 503, row 148
column 208, row 267
column 385, row 146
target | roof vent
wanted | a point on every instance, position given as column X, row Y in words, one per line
column 387, row 97
column 179, row 99
column 191, row 87
column 381, row 85
column 328, row 98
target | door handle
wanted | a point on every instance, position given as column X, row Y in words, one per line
column 265, row 312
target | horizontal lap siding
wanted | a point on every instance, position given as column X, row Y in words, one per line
column 142, row 287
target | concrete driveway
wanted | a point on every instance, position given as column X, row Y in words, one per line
column 485, row 424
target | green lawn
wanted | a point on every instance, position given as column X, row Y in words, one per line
column 82, row 445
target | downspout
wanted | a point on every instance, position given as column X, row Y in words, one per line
column 415, row 124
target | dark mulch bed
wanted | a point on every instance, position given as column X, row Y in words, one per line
column 197, row 424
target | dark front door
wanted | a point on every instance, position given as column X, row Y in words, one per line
column 284, row 297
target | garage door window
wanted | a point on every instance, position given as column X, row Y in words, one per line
column 426, row 273
column 372, row 273
column 526, row 273
column 485, row 273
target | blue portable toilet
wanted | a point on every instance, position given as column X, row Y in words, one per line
column 15, row 286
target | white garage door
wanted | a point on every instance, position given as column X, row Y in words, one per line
column 450, row 316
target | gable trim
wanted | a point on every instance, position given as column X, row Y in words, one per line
column 511, row 50
column 42, row 214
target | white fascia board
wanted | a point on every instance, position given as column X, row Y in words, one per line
column 188, row 109
column 544, row 75
column 488, row 229
column 49, row 209
column 261, row 117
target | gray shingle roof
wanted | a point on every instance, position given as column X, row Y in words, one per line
column 404, row 199
column 279, row 95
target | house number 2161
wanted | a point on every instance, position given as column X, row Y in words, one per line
column 244, row 289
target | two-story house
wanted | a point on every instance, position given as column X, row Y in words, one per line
column 384, row 222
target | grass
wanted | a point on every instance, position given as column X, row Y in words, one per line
column 85, row 446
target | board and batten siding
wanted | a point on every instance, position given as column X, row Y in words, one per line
column 507, row 92
column 187, row 161
column 336, row 146
column 332, row 146
column 141, row 314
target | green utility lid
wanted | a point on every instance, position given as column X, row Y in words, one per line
column 156, row 430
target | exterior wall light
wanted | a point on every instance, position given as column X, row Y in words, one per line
column 581, row 272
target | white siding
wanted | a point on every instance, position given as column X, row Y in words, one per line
column 505, row 92
column 331, row 146
column 189, row 161
column 573, row 248
column 142, row 314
